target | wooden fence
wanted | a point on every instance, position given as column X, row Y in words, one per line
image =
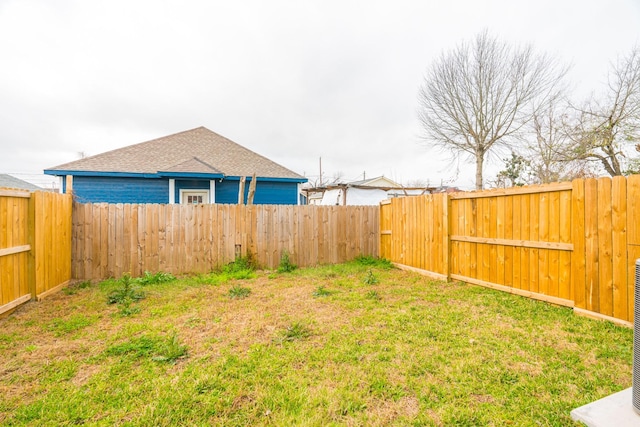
column 35, row 245
column 112, row 239
column 573, row 244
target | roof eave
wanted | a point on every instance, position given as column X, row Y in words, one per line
column 268, row 178
column 60, row 172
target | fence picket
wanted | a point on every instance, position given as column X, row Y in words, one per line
column 619, row 248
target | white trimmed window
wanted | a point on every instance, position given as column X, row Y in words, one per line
column 194, row 197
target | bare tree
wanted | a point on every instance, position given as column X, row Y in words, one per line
column 608, row 128
column 478, row 96
column 548, row 146
column 550, row 152
column 337, row 178
column 417, row 183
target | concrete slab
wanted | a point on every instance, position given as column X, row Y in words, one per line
column 615, row 410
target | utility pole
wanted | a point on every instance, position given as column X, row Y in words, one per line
column 320, row 171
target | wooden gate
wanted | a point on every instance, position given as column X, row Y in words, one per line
column 35, row 245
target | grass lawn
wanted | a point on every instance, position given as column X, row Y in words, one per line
column 350, row 344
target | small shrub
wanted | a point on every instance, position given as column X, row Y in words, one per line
column 241, row 268
column 286, row 266
column 238, row 292
column 233, row 267
column 370, row 278
column 294, row 332
column 154, row 279
column 126, row 293
column 245, row 263
column 321, row 292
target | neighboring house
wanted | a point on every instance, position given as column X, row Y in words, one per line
column 365, row 192
column 8, row 181
column 378, row 182
column 195, row 166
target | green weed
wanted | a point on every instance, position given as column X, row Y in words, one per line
column 373, row 295
column 126, row 293
column 370, row 278
column 238, row 292
column 286, row 266
column 371, row 261
column 321, row 292
column 294, row 332
column 244, row 263
column 170, row 350
column 240, row 269
column 156, row 278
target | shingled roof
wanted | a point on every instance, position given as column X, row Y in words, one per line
column 197, row 150
column 8, row 181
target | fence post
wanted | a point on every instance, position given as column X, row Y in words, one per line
column 446, row 221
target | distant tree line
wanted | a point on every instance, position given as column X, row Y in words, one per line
column 486, row 98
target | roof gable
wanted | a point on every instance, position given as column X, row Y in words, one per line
column 379, row 181
column 197, row 150
column 193, row 165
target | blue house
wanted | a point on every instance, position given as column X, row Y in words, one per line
column 194, row 166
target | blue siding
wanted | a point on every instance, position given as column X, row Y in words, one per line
column 227, row 191
column 267, row 192
column 89, row 189
column 92, row 189
column 276, row 193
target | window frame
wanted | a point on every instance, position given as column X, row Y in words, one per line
column 185, row 193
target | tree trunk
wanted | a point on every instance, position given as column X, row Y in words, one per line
column 479, row 163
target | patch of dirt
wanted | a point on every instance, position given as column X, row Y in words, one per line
column 385, row 412
column 85, row 372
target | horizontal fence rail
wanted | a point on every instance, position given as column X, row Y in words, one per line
column 573, row 243
column 112, row 239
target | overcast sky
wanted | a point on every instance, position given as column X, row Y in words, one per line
column 291, row 80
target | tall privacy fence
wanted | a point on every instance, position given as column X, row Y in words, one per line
column 573, row 243
column 35, row 245
column 112, row 239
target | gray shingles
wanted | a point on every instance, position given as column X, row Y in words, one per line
column 8, row 181
column 196, row 150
